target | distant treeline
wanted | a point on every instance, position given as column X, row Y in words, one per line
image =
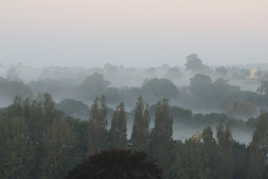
column 38, row 141
column 202, row 93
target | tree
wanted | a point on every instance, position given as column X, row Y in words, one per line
column 93, row 86
column 207, row 136
column 98, row 126
column 195, row 64
column 49, row 105
column 37, row 140
column 118, row 132
column 201, row 87
column 155, row 89
column 161, row 137
column 210, row 153
column 199, row 84
column 260, row 137
column 16, row 154
column 258, row 149
column 140, row 133
column 163, row 121
column 222, row 71
column 263, row 88
column 225, row 141
column 224, row 137
column 117, row 164
column 74, row 108
column 59, row 147
column 10, row 89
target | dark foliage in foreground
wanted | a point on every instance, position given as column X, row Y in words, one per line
column 39, row 142
column 117, row 164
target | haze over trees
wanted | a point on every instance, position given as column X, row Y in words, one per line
column 33, row 131
column 184, row 86
column 192, row 122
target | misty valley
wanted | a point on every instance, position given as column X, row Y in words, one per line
column 194, row 121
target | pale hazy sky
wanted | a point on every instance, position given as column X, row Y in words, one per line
column 132, row 32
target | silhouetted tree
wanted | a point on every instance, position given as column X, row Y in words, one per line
column 117, row 164
column 98, row 126
column 155, row 88
column 195, row 64
column 140, row 133
column 163, row 121
column 225, row 141
column 118, row 132
column 258, row 149
column 93, row 86
column 263, row 88
column 161, row 137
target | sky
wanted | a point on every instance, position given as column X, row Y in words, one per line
column 132, row 32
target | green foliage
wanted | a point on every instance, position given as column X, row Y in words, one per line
column 161, row 136
column 117, row 164
column 155, row 89
column 195, row 64
column 74, row 108
column 98, row 126
column 92, row 86
column 140, row 133
column 38, row 141
column 118, row 132
column 10, row 89
column 258, row 149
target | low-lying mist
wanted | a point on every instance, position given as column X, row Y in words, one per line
column 239, row 92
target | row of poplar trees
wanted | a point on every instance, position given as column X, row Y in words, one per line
column 38, row 141
column 156, row 141
column 204, row 156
